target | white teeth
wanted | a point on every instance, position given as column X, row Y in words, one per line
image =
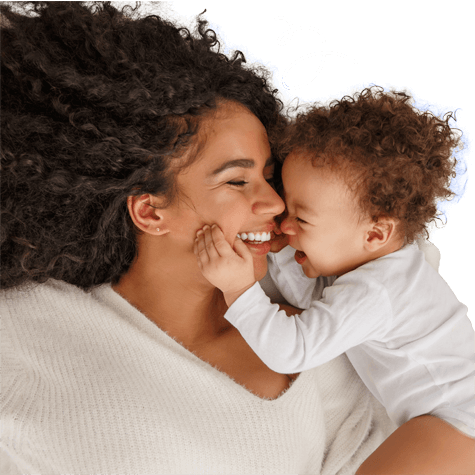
column 238, row 236
column 261, row 237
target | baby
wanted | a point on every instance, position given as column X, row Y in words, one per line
column 361, row 184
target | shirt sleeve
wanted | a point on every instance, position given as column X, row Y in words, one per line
column 351, row 312
column 288, row 277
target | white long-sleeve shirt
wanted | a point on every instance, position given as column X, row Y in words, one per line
column 91, row 386
column 403, row 329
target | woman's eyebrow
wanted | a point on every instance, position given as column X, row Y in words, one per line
column 240, row 163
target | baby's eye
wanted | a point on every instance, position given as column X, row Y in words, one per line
column 299, row 220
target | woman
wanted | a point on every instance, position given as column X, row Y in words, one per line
column 121, row 137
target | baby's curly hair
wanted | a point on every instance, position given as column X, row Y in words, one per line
column 96, row 103
column 397, row 160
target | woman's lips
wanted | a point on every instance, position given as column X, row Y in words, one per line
column 259, row 248
column 262, row 248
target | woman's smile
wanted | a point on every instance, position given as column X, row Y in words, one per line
column 259, row 249
column 259, row 241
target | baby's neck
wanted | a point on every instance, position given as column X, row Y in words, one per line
column 393, row 245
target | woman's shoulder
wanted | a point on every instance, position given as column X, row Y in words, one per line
column 34, row 290
column 36, row 301
column 53, row 318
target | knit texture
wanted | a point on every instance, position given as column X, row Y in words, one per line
column 91, row 386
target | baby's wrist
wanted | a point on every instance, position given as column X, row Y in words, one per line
column 231, row 296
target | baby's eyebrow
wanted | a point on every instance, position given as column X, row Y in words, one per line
column 305, row 209
column 301, row 207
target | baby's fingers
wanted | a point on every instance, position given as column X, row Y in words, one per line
column 222, row 246
column 242, row 250
column 210, row 246
column 200, row 250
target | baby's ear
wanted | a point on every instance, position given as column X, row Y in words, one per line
column 380, row 233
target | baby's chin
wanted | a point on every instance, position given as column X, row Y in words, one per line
column 310, row 275
column 310, row 272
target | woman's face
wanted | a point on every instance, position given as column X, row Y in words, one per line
column 228, row 185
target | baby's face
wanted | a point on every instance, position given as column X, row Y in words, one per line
column 323, row 219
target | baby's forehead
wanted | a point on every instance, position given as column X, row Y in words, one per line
column 302, row 166
column 305, row 181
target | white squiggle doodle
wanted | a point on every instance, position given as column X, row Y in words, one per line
column 290, row 32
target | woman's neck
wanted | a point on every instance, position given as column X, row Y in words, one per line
column 169, row 290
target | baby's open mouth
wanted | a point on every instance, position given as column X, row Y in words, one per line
column 300, row 257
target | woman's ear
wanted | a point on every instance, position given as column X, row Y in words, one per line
column 146, row 215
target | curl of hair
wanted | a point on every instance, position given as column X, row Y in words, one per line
column 96, row 103
column 397, row 160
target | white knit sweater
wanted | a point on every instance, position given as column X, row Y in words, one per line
column 91, row 386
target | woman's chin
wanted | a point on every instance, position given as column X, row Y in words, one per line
column 260, row 266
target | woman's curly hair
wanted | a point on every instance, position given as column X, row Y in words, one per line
column 96, row 102
column 397, row 160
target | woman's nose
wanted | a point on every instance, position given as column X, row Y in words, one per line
column 287, row 226
column 269, row 202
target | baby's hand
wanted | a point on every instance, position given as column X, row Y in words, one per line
column 230, row 271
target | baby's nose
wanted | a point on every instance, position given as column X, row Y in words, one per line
column 287, row 226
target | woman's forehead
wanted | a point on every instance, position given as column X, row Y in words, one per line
column 238, row 137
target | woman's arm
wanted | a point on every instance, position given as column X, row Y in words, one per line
column 425, row 445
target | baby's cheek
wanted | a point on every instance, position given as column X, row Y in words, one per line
column 279, row 242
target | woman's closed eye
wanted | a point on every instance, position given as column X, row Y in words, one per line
column 269, row 180
column 237, row 183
